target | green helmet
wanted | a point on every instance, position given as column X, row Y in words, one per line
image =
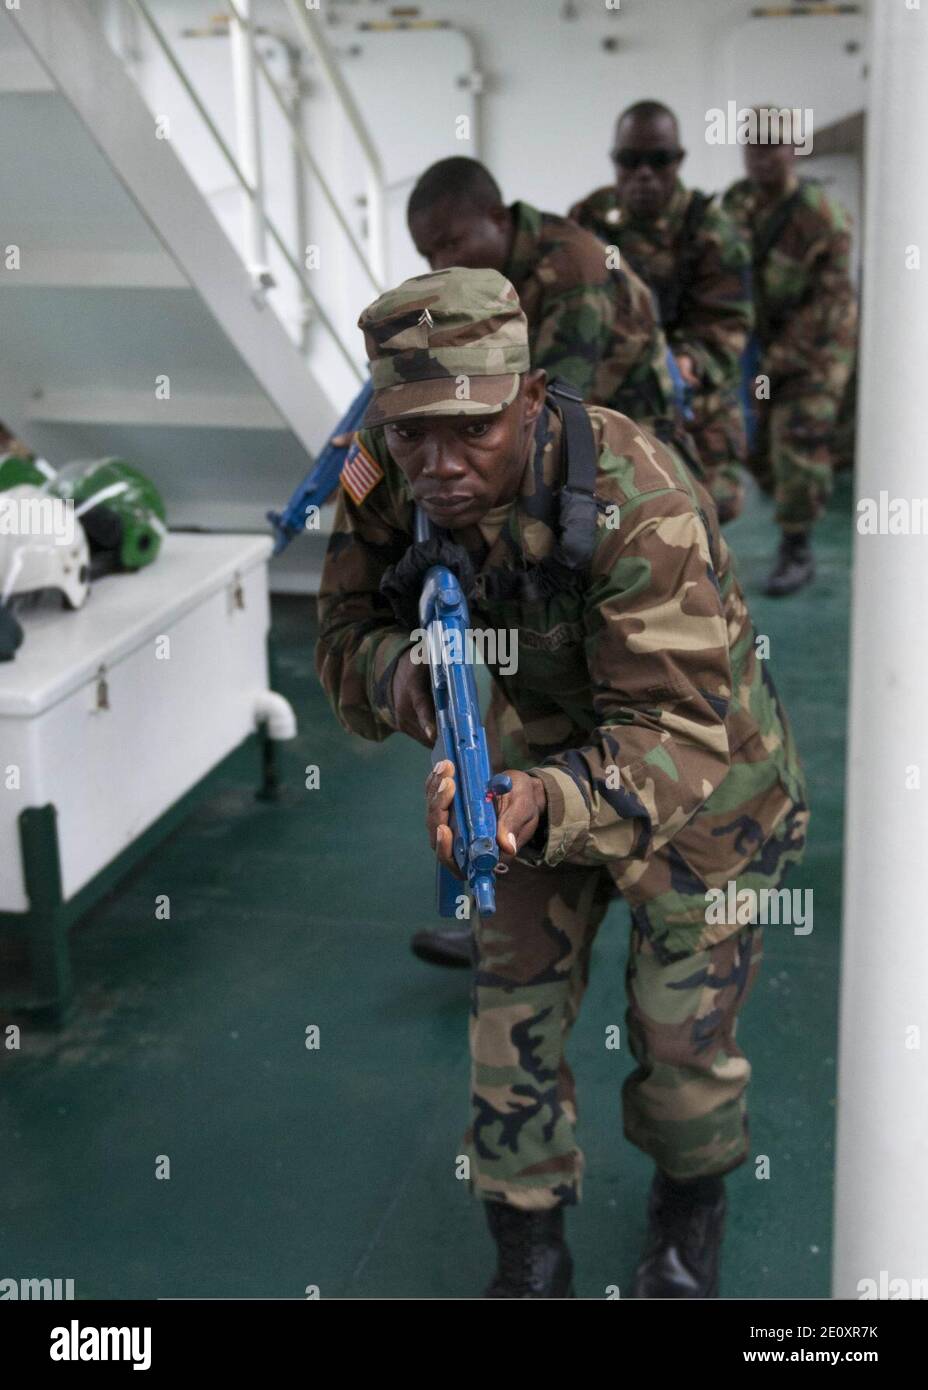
column 16, row 469
column 121, row 511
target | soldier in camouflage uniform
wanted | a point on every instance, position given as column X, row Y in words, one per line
column 806, row 330
column 698, row 264
column 651, row 759
column 594, row 326
column 590, row 324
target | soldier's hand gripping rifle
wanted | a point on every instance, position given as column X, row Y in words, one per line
column 460, row 738
column 322, row 479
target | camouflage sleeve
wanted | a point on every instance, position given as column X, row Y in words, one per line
column 592, row 212
column 817, row 340
column 574, row 331
column 359, row 640
column 639, row 342
column 657, row 652
column 584, row 214
column 716, row 315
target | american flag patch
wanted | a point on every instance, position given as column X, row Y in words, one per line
column 360, row 472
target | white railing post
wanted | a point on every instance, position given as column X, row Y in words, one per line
column 314, row 37
column 377, row 226
column 245, row 86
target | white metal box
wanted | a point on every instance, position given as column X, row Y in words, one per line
column 114, row 712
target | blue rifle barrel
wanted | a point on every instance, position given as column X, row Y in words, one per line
column 682, row 394
column 317, row 486
column 444, row 616
column 750, row 366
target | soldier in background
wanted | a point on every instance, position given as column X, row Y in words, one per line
column 658, row 760
column 806, row 325
column 589, row 324
column 698, row 264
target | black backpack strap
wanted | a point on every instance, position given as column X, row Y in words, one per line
column 762, row 247
column 692, row 221
column 668, row 293
column 687, row 253
column 577, row 499
column 566, row 567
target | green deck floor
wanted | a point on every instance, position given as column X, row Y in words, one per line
column 334, row 1167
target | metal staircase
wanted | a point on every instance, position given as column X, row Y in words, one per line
column 141, row 320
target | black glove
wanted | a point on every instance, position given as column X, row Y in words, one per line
column 402, row 583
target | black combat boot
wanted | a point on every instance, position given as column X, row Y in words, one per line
column 684, row 1243
column 794, row 566
column 445, row 945
column 533, row 1259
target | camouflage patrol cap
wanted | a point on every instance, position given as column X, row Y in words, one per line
column 453, row 342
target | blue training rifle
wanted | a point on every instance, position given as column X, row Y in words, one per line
column 444, row 617
column 317, row 486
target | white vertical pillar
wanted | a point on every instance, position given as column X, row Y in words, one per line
column 881, row 1211
column 245, row 85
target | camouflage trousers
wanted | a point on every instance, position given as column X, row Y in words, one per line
column 684, row 1104
column 794, row 455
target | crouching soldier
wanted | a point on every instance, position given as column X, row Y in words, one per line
column 656, row 761
column 806, row 314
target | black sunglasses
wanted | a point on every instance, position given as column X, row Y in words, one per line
column 658, row 159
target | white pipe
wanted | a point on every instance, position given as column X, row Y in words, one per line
column 245, row 87
column 881, row 1202
column 277, row 713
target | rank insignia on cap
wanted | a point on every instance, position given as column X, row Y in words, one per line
column 360, row 472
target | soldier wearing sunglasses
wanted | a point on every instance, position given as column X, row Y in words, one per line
column 698, row 265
